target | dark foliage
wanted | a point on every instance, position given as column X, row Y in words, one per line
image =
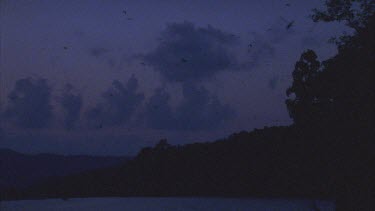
column 305, row 103
column 355, row 13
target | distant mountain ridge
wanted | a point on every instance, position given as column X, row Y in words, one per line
column 21, row 170
column 276, row 162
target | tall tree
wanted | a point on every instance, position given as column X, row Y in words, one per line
column 301, row 106
column 347, row 78
column 339, row 97
column 339, row 92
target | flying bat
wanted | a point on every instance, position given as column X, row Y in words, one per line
column 290, row 25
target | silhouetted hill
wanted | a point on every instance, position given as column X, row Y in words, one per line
column 270, row 162
column 19, row 170
column 277, row 161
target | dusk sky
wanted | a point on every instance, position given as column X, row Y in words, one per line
column 108, row 77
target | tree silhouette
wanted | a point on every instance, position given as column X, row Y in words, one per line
column 302, row 107
column 355, row 13
column 162, row 145
column 339, row 99
column 338, row 94
column 346, row 80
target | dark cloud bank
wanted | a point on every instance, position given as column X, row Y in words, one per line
column 189, row 54
column 72, row 105
column 186, row 54
column 97, row 52
column 198, row 111
column 29, row 104
column 30, row 107
column 118, row 105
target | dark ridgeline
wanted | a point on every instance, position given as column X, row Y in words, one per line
column 19, row 170
column 327, row 153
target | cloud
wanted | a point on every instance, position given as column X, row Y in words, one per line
column 262, row 46
column 97, row 52
column 311, row 41
column 105, row 55
column 188, row 53
column 29, row 104
column 261, row 51
column 272, row 83
column 118, row 106
column 72, row 105
column 1, row 132
column 158, row 112
column 198, row 110
column 111, row 62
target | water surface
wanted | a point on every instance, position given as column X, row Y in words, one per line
column 156, row 204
